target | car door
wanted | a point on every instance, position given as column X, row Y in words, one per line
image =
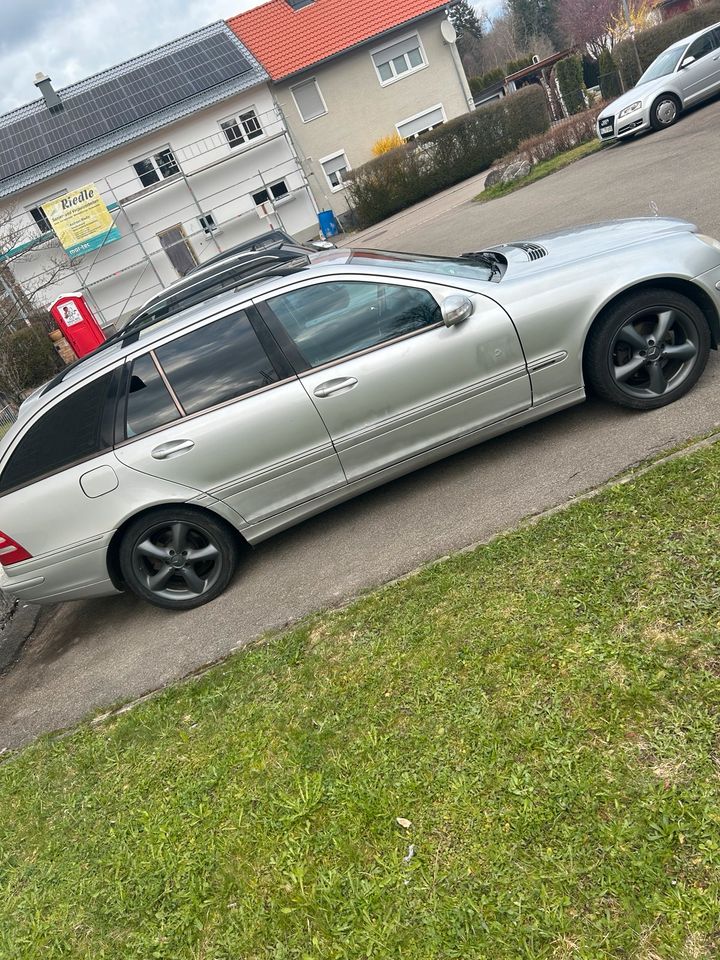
column 386, row 374
column 702, row 77
column 220, row 411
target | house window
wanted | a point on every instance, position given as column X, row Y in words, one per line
column 276, row 191
column 335, row 168
column 309, row 100
column 412, row 127
column 399, row 59
column 159, row 166
column 207, row 222
column 240, row 129
column 40, row 219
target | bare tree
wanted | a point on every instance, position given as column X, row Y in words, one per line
column 26, row 357
column 21, row 249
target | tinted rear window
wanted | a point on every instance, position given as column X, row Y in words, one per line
column 74, row 429
column 216, row 363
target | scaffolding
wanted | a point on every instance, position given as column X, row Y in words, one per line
column 197, row 159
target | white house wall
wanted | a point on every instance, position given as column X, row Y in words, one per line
column 360, row 110
column 218, row 179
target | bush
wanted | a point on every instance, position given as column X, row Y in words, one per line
column 651, row 42
column 512, row 66
column 610, row 86
column 485, row 80
column 384, row 144
column 569, row 74
column 559, row 138
column 27, row 359
column 453, row 152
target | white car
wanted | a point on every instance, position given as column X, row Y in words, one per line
column 683, row 75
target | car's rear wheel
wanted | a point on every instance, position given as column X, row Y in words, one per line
column 177, row 558
column 648, row 350
column 665, row 111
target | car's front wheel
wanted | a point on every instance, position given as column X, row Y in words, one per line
column 177, row 557
column 648, row 350
column 665, row 111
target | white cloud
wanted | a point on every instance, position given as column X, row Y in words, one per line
column 71, row 39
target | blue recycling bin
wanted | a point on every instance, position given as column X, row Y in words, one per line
column 329, row 227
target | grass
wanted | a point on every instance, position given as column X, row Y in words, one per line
column 543, row 710
column 543, row 169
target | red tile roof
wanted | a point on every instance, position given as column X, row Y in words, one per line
column 286, row 41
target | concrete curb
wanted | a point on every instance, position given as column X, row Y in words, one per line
column 19, row 630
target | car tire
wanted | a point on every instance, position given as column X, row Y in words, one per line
column 647, row 350
column 665, row 111
column 177, row 558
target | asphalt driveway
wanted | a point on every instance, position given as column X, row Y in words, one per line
column 89, row 655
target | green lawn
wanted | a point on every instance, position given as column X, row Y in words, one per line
column 544, row 710
column 543, row 169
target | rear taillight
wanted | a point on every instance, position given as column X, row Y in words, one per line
column 11, row 551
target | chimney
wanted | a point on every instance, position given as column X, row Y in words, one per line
column 44, row 85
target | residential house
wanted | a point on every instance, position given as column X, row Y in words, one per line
column 187, row 148
column 347, row 74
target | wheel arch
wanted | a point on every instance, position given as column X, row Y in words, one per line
column 691, row 290
column 113, row 550
column 668, row 93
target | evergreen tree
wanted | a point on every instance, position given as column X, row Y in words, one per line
column 534, row 18
column 464, row 18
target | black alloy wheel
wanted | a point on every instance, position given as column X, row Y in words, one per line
column 648, row 351
column 177, row 558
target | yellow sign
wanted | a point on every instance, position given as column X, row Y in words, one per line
column 81, row 220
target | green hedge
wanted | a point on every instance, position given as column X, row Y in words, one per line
column 28, row 359
column 569, row 74
column 609, row 77
column 485, row 80
column 455, row 151
column 651, row 43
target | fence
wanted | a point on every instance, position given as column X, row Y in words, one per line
column 8, row 417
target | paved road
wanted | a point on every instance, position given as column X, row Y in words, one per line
column 89, row 655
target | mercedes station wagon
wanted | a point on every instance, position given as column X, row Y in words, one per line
column 216, row 419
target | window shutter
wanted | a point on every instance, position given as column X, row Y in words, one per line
column 423, row 122
column 336, row 164
column 308, row 99
column 396, row 50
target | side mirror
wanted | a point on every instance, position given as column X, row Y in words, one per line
column 456, row 308
column 686, row 62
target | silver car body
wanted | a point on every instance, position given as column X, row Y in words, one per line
column 690, row 84
column 295, row 447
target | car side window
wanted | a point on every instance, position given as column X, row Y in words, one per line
column 327, row 321
column 218, row 362
column 73, row 430
column 149, row 404
column 702, row 46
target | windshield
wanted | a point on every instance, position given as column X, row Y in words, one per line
column 444, row 266
column 665, row 64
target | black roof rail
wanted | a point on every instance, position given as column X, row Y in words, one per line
column 257, row 267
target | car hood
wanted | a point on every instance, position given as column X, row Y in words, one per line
column 643, row 92
column 578, row 243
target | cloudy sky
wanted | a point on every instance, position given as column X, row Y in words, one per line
column 72, row 39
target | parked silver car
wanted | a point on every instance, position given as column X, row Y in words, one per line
column 150, row 463
column 683, row 75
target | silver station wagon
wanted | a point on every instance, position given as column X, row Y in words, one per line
column 203, row 426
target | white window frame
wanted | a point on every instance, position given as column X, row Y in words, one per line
column 399, row 76
column 422, row 113
column 334, row 156
column 205, row 226
column 320, row 94
column 272, row 200
column 235, row 117
column 151, row 155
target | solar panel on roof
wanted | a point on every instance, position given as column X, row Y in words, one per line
column 118, row 101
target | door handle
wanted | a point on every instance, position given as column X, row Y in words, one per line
column 331, row 387
column 174, row 448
